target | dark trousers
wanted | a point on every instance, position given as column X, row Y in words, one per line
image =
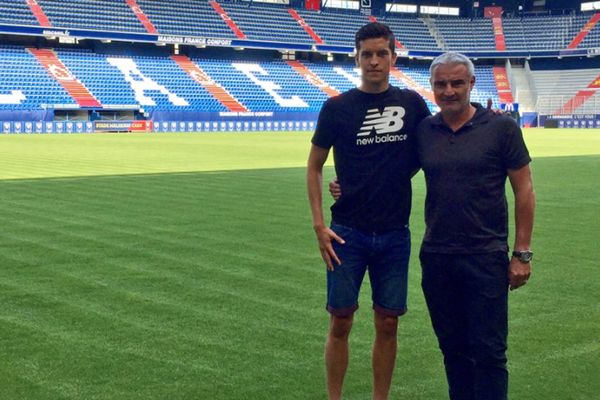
column 467, row 297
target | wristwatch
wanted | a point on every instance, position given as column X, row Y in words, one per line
column 524, row 256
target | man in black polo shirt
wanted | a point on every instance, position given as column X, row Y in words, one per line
column 371, row 130
column 466, row 153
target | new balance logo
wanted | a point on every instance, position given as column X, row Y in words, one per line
column 389, row 121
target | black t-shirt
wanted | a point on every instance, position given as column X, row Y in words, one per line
column 465, row 208
column 374, row 149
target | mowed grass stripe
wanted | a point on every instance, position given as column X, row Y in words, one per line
column 208, row 267
column 33, row 156
column 196, row 201
column 107, row 373
column 118, row 332
column 159, row 237
column 204, row 356
column 42, row 156
column 126, row 330
column 58, row 218
column 149, row 351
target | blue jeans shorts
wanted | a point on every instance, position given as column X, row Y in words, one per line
column 384, row 255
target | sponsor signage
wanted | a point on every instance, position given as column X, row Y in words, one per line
column 593, row 52
column 570, row 121
column 509, row 107
column 55, row 32
column 123, row 126
column 277, row 123
column 194, row 41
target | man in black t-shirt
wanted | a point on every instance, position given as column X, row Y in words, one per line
column 467, row 153
column 372, row 132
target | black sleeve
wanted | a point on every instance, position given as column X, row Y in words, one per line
column 515, row 151
column 325, row 133
column 422, row 111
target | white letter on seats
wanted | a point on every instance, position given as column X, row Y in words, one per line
column 269, row 86
column 140, row 83
column 15, row 97
column 352, row 78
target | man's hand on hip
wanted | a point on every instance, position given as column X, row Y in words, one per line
column 335, row 189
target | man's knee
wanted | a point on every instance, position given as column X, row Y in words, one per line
column 386, row 325
column 340, row 326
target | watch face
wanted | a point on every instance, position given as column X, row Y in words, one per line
column 523, row 256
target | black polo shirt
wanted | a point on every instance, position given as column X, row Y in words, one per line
column 465, row 172
column 374, row 149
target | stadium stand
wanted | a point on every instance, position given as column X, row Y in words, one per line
column 462, row 34
column 592, row 37
column 543, row 32
column 192, row 18
column 567, row 91
column 412, row 32
column 106, row 15
column 267, row 22
column 335, row 28
column 159, row 83
column 277, row 23
column 264, row 22
column 17, row 13
column 24, row 83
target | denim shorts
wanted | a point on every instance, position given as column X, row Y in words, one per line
column 384, row 255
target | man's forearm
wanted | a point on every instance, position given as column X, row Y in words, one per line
column 314, row 182
column 524, row 216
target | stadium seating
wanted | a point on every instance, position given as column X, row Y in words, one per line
column 462, row 34
column 335, row 28
column 104, row 15
column 193, row 18
column 412, row 32
column 272, row 22
column 22, row 73
column 159, row 83
column 542, row 32
column 267, row 22
column 556, row 88
column 119, row 77
column 16, row 13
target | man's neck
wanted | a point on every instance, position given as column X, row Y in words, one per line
column 456, row 121
column 374, row 89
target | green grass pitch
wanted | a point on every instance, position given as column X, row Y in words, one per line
column 184, row 266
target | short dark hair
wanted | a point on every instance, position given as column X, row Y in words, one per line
column 375, row 30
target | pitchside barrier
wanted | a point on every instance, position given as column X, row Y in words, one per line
column 569, row 121
column 17, row 127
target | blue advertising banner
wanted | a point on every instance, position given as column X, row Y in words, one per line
column 225, row 124
column 6, row 127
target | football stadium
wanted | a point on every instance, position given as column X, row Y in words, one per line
column 156, row 238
